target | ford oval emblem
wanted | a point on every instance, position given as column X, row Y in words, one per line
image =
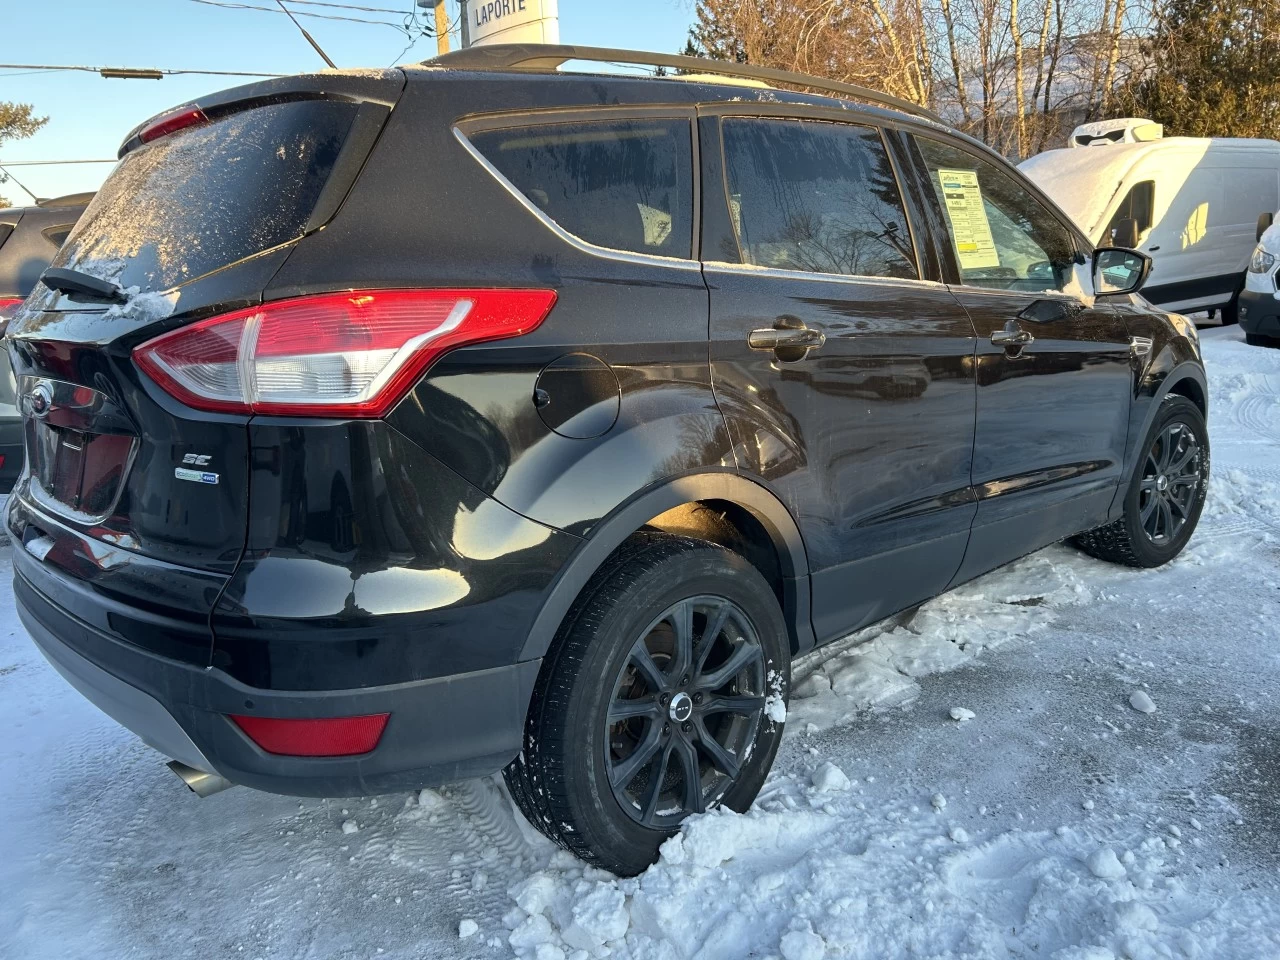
column 40, row 399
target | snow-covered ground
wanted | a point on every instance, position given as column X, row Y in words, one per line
column 1064, row 759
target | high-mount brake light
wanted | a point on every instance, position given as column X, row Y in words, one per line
column 351, row 355
column 172, row 123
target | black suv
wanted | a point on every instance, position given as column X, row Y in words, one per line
column 29, row 239
column 390, row 428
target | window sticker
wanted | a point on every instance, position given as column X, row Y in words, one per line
column 970, row 229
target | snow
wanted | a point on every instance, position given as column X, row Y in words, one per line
column 1142, row 702
column 1104, row 864
column 961, row 714
column 829, row 778
column 1073, row 827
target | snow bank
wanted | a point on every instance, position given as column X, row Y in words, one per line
column 878, row 668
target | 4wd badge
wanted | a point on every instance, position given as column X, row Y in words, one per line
column 195, row 476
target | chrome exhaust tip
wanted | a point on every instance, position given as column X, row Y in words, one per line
column 198, row 782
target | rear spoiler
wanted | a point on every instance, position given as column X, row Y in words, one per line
column 378, row 87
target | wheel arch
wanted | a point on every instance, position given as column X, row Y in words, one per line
column 1187, row 381
column 675, row 504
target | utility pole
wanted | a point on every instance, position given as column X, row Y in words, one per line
column 442, row 27
column 466, row 24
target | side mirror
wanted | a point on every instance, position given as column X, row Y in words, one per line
column 1117, row 270
column 1125, row 233
column 1264, row 220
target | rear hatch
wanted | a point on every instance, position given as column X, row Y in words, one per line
column 202, row 210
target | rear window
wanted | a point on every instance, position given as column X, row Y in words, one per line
column 622, row 184
column 209, row 196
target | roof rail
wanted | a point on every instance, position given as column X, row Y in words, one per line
column 549, row 57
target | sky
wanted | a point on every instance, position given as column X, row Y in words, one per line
column 88, row 115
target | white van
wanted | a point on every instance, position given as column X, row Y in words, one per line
column 1260, row 299
column 1194, row 202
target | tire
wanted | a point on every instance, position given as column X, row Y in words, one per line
column 1150, row 534
column 1258, row 340
column 632, row 609
column 1229, row 312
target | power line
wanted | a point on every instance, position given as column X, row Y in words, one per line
column 49, row 163
column 34, row 67
column 301, row 13
column 347, row 6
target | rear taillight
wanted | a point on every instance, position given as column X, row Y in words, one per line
column 8, row 309
column 338, row 354
column 172, row 123
column 319, row 737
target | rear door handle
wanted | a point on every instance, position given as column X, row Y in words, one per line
column 774, row 338
column 1012, row 336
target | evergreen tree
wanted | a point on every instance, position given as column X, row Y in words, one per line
column 1214, row 70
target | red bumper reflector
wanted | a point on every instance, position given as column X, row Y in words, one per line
column 323, row 737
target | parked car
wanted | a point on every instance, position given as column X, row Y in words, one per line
column 1191, row 203
column 1260, row 299
column 596, row 400
column 29, row 237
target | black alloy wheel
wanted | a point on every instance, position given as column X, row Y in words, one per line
column 662, row 696
column 685, row 711
column 1165, row 494
column 1170, row 482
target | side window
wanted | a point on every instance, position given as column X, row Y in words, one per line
column 623, row 184
column 1003, row 237
column 1137, row 206
column 816, row 196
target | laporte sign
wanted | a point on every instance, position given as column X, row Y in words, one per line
column 514, row 21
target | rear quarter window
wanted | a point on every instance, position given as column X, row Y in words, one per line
column 625, row 184
column 209, row 196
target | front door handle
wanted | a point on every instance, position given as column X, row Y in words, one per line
column 1012, row 336
column 776, row 338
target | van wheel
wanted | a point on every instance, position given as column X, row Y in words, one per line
column 1229, row 313
column 656, row 701
column 1166, row 495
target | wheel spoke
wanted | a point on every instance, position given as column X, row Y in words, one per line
column 643, row 661
column 1167, row 443
column 715, row 623
column 653, row 793
column 681, row 620
column 688, row 757
column 743, row 656
column 717, row 754
column 628, row 709
column 745, row 705
column 1176, row 504
column 625, row 771
column 1149, row 484
column 1180, row 465
column 1166, row 517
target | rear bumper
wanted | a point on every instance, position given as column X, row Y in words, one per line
column 1259, row 313
column 442, row 729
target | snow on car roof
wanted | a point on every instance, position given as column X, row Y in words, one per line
column 1084, row 181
